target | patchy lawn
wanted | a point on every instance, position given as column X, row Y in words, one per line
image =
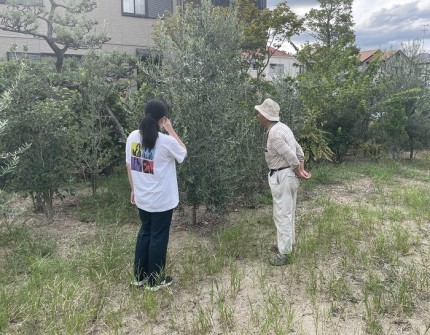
column 362, row 263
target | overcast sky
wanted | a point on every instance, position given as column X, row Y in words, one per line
column 379, row 24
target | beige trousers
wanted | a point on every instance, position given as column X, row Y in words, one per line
column 284, row 185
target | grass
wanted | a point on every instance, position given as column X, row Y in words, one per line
column 111, row 204
column 362, row 264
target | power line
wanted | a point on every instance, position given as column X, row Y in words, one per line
column 424, row 34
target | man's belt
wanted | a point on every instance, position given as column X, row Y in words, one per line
column 272, row 171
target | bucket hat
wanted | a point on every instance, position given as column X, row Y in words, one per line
column 269, row 109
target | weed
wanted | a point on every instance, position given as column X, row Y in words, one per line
column 111, row 204
column 225, row 311
column 365, row 257
column 236, row 277
column 278, row 314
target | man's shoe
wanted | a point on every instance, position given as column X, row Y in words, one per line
column 280, row 260
column 274, row 248
column 167, row 281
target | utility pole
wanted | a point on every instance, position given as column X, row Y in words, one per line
column 425, row 69
column 424, row 35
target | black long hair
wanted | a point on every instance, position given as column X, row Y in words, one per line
column 154, row 111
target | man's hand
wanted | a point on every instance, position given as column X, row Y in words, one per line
column 302, row 173
column 305, row 174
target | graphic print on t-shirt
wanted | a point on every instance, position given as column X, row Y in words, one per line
column 142, row 160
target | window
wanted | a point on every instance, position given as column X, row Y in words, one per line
column 25, row 2
column 22, row 55
column 254, row 65
column 37, row 56
column 276, row 69
column 135, row 7
column 302, row 69
column 146, row 8
column 261, row 4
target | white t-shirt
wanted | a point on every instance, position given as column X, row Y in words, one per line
column 154, row 172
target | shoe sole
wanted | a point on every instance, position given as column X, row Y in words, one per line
column 158, row 287
column 138, row 283
column 280, row 264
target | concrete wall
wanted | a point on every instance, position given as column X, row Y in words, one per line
column 127, row 33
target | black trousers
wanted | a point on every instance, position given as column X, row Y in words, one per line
column 151, row 245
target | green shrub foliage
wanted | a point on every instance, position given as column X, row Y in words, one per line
column 205, row 81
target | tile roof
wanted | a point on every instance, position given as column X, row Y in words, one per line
column 366, row 56
column 388, row 54
column 273, row 52
column 279, row 53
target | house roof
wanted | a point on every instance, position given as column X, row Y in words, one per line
column 368, row 55
column 388, row 54
column 276, row 52
column 423, row 58
column 279, row 53
column 365, row 55
column 273, row 53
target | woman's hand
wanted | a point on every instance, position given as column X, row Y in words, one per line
column 164, row 123
column 132, row 198
column 167, row 124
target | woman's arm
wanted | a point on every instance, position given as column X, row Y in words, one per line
column 166, row 124
column 130, row 180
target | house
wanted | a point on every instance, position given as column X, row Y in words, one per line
column 398, row 59
column 280, row 64
column 261, row 4
column 127, row 22
column 388, row 57
column 423, row 62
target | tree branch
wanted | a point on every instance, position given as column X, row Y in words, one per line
column 117, row 128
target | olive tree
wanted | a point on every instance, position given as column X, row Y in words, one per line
column 8, row 159
column 38, row 114
column 205, row 82
column 100, row 78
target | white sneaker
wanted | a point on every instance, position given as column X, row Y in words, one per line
column 139, row 283
column 165, row 283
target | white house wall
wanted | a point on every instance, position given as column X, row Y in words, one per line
column 289, row 66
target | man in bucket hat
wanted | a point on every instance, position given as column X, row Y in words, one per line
column 285, row 159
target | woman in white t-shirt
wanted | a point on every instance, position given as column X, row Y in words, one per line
column 151, row 158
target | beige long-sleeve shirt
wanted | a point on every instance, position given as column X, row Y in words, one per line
column 282, row 148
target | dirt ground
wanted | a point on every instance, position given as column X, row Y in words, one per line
column 308, row 317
